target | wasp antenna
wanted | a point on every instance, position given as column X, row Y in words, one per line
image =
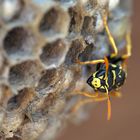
column 106, row 66
column 108, row 105
column 109, row 109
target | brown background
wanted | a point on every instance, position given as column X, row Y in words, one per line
column 125, row 122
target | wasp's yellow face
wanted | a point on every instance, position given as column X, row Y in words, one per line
column 96, row 82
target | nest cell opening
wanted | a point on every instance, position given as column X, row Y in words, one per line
column 19, row 43
column 54, row 24
column 25, row 74
column 53, row 54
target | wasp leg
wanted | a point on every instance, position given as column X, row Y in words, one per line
column 84, row 101
column 128, row 45
column 108, row 104
column 110, row 37
column 115, row 94
column 96, row 99
column 81, row 103
column 89, row 100
column 93, row 98
column 90, row 95
column 92, row 62
column 100, row 98
column 108, row 108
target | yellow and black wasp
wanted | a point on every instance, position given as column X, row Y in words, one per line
column 110, row 73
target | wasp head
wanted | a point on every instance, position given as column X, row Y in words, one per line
column 97, row 80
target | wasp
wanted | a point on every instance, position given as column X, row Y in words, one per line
column 110, row 73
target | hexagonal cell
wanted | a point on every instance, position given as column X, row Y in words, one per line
column 71, row 76
column 53, row 54
column 77, row 17
column 25, row 74
column 11, row 9
column 54, row 24
column 77, row 46
column 43, row 107
column 20, row 44
column 36, row 109
column 50, row 81
column 20, row 102
column 88, row 26
column 48, row 78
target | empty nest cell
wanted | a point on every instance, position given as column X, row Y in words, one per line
column 20, row 102
column 54, row 24
column 77, row 17
column 25, row 74
column 20, row 44
column 76, row 47
column 88, row 26
column 53, row 54
column 51, row 81
column 49, row 78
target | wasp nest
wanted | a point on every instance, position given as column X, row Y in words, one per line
column 40, row 41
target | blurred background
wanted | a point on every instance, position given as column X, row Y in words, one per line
column 125, row 122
